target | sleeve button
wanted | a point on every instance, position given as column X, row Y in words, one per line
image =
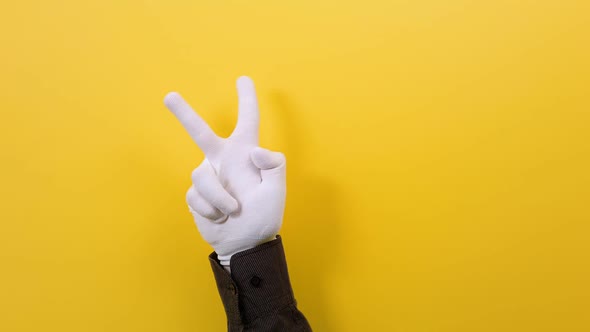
column 255, row 281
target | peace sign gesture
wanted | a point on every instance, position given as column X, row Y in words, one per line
column 238, row 192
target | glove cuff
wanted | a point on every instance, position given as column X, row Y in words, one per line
column 226, row 259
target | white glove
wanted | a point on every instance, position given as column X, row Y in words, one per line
column 238, row 192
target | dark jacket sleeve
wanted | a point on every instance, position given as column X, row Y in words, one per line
column 257, row 296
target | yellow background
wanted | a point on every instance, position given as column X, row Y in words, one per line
column 438, row 160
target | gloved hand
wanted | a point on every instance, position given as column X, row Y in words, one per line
column 238, row 192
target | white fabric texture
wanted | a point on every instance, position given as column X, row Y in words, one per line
column 238, row 194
